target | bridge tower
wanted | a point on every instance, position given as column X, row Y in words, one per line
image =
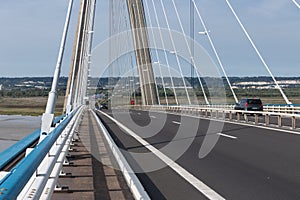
column 80, row 57
column 142, row 52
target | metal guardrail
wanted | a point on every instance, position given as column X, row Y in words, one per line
column 278, row 108
column 291, row 120
column 9, row 154
column 133, row 182
column 16, row 149
column 282, row 109
column 13, row 183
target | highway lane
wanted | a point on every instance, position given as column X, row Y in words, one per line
column 246, row 163
column 163, row 183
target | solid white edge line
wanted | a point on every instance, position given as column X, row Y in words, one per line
column 132, row 180
column 228, row 136
column 176, row 122
column 199, row 185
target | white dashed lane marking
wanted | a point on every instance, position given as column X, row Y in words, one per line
column 228, row 136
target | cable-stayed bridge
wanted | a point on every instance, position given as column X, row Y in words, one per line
column 160, row 123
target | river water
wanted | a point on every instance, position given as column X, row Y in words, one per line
column 15, row 127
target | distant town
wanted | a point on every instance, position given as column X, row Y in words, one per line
column 40, row 86
column 29, row 86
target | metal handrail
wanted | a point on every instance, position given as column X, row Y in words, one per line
column 16, row 149
column 222, row 113
column 226, row 110
column 271, row 108
column 13, row 183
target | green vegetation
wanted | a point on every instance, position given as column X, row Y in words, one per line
column 269, row 96
column 27, row 105
column 28, row 95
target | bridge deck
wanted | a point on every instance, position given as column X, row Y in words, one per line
column 91, row 175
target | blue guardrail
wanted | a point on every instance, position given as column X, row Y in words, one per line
column 13, row 183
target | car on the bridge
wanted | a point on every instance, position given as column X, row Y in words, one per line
column 103, row 106
column 249, row 104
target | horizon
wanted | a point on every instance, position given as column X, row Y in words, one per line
column 158, row 77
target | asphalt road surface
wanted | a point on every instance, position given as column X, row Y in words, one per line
column 245, row 163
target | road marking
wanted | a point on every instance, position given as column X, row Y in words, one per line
column 136, row 186
column 139, row 113
column 153, row 117
column 228, row 136
column 199, row 185
column 238, row 123
column 176, row 122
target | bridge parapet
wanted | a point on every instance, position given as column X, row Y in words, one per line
column 28, row 178
column 280, row 118
column 15, row 150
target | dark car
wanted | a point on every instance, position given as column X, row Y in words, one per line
column 249, row 105
column 103, row 106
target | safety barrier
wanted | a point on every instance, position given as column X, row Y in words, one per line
column 133, row 182
column 289, row 120
column 29, row 167
column 294, row 109
column 16, row 149
column 275, row 108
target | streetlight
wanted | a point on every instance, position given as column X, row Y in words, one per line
column 203, row 32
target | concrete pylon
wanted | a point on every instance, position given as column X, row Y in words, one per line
column 75, row 61
column 142, row 52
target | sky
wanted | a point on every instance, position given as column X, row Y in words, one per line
column 31, row 31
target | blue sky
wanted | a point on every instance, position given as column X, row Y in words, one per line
column 31, row 31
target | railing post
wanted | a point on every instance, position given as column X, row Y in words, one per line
column 293, row 122
column 256, row 119
column 267, row 119
column 279, row 120
column 246, row 117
